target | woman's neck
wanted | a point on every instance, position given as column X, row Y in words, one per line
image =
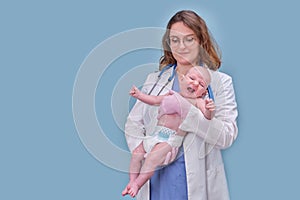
column 182, row 69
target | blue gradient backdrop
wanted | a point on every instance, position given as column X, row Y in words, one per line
column 43, row 44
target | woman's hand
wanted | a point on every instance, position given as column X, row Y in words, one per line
column 170, row 157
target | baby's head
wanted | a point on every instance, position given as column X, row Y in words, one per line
column 194, row 84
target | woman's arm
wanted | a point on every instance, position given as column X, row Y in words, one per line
column 135, row 126
column 221, row 130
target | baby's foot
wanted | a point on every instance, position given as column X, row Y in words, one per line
column 133, row 190
column 126, row 190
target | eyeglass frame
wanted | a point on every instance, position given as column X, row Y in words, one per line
column 185, row 40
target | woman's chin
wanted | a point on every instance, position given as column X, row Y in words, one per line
column 184, row 62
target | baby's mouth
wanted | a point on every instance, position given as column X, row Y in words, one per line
column 191, row 90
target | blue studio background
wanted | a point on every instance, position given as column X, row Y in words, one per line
column 43, row 44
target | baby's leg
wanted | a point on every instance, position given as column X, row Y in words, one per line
column 136, row 161
column 154, row 159
column 135, row 166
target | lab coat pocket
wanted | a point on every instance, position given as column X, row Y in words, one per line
column 217, row 184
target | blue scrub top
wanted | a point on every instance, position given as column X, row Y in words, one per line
column 169, row 183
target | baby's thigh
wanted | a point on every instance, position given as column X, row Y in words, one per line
column 139, row 149
column 159, row 152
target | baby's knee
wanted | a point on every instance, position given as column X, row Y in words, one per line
column 138, row 153
column 139, row 149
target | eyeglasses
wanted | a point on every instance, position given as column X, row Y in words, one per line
column 175, row 41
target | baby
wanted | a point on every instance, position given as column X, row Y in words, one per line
column 156, row 147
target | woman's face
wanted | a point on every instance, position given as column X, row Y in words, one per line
column 184, row 44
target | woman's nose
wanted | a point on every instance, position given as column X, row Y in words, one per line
column 181, row 44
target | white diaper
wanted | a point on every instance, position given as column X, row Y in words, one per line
column 162, row 134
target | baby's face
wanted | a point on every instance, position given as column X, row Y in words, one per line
column 193, row 84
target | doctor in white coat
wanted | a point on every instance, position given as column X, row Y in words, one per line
column 198, row 172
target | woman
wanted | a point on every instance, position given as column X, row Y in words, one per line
column 198, row 171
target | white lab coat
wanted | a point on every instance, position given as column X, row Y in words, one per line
column 206, row 179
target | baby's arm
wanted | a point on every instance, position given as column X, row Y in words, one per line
column 207, row 107
column 148, row 99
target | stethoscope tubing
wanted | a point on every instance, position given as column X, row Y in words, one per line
column 159, row 76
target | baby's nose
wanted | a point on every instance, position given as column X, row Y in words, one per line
column 195, row 82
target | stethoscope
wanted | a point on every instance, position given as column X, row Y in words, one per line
column 209, row 90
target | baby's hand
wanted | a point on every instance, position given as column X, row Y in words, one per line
column 135, row 92
column 210, row 105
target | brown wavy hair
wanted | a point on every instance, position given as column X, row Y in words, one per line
column 210, row 54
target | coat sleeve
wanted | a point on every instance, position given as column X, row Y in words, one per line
column 135, row 126
column 221, row 131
